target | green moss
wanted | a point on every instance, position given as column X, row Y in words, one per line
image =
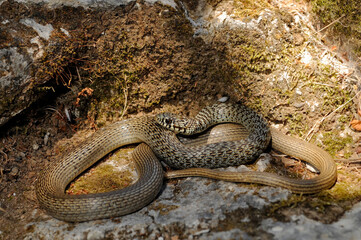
column 248, row 59
column 58, row 58
column 326, row 83
column 105, row 177
column 345, row 119
column 249, row 8
column 347, row 188
column 112, row 73
column 106, row 67
column 344, row 17
column 344, row 194
column 284, row 94
column 257, row 104
column 291, row 202
column 254, row 59
column 334, row 143
column 297, row 124
column 45, row 89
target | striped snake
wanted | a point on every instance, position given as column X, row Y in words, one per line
column 219, row 148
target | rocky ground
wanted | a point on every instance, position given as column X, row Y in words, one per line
column 62, row 82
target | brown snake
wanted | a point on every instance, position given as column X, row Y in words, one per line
column 52, row 182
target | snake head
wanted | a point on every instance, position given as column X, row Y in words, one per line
column 172, row 122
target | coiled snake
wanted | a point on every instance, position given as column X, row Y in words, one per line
column 51, row 184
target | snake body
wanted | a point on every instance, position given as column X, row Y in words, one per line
column 52, row 182
column 286, row 144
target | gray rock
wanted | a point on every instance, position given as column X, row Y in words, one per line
column 301, row 227
column 195, row 209
column 195, row 206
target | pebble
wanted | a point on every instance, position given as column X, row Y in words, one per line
column 95, row 234
column 263, row 162
column 298, row 91
column 312, row 169
column 46, row 138
column 298, row 105
column 48, row 152
column 298, row 39
column 223, row 99
column 14, row 172
column 35, row 146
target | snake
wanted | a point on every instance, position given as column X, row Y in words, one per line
column 157, row 135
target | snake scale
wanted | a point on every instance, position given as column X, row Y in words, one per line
column 226, row 150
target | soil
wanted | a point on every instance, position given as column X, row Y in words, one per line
column 167, row 70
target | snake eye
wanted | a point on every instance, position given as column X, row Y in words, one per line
column 167, row 121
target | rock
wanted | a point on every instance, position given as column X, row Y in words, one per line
column 14, row 78
column 298, row 104
column 14, row 172
column 302, row 227
column 298, row 39
column 36, row 146
column 46, row 138
column 193, row 207
column 263, row 162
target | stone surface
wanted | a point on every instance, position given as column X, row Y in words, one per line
column 300, row 227
column 193, row 207
column 198, row 209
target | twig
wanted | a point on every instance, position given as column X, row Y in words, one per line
column 77, row 71
column 333, row 22
column 323, row 84
column 125, row 92
column 319, row 122
column 349, row 161
column 55, row 110
column 125, row 101
column 5, row 155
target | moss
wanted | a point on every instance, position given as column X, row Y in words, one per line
column 106, row 176
column 344, row 17
column 334, row 143
column 326, row 82
column 291, row 202
column 258, row 104
column 347, row 188
column 248, row 8
column 297, row 124
column 252, row 60
column 248, row 59
column 344, row 193
column 345, row 119
column 105, row 67
column 62, row 54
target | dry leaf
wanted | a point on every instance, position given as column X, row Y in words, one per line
column 288, row 162
column 356, row 125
